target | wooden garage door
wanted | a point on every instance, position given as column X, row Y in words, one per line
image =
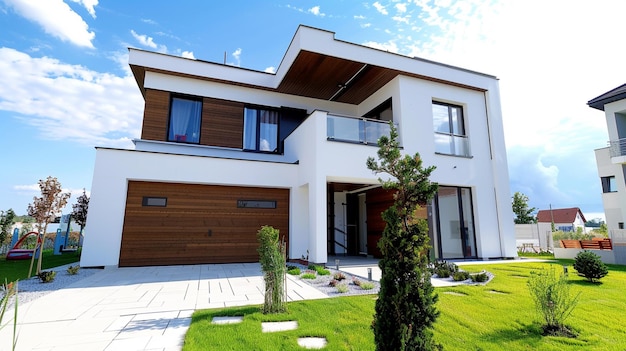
column 170, row 224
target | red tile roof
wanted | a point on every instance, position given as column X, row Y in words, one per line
column 560, row 215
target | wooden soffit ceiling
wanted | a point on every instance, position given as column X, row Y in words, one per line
column 330, row 78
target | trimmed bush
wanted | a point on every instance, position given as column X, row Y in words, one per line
column 479, row 277
column 367, row 285
column 590, row 266
column 47, row 276
column 73, row 270
column 308, row 276
column 460, row 276
column 294, row 271
column 342, row 288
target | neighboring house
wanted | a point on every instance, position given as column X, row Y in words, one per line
column 612, row 159
column 564, row 219
column 225, row 150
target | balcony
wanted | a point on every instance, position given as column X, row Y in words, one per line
column 355, row 130
column 617, row 148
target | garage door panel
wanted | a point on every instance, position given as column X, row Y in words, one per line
column 199, row 224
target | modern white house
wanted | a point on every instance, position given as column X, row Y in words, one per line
column 611, row 160
column 225, row 150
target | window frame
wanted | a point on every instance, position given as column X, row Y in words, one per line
column 196, row 99
column 609, row 184
column 451, row 127
column 257, row 126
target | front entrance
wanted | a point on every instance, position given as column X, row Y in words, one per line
column 455, row 223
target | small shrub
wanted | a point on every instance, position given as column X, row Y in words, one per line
column 273, row 260
column 73, row 270
column 319, row 269
column 312, row 267
column 479, row 277
column 323, row 271
column 356, row 282
column 333, row 283
column 339, row 276
column 590, row 266
column 293, row 271
column 460, row 276
column 47, row 276
column 367, row 285
column 308, row 275
column 444, row 269
column 554, row 304
column 342, row 288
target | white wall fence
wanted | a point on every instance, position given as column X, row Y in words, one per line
column 533, row 234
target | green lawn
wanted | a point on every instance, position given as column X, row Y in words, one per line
column 12, row 270
column 497, row 316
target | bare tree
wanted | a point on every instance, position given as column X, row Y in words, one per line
column 79, row 211
column 44, row 209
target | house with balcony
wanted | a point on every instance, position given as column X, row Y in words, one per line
column 611, row 160
column 225, row 150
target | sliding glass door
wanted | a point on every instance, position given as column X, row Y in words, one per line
column 455, row 223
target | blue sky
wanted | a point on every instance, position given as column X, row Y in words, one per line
column 66, row 86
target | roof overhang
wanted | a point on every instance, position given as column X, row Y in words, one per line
column 316, row 65
column 613, row 95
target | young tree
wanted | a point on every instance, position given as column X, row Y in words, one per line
column 405, row 309
column 44, row 209
column 79, row 210
column 523, row 214
column 6, row 222
column 272, row 256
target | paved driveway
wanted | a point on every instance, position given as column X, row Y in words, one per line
column 145, row 308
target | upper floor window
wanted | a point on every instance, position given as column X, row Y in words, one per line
column 609, row 185
column 449, row 126
column 260, row 129
column 185, row 115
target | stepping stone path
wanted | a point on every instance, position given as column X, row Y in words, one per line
column 227, row 320
column 312, row 343
column 270, row 327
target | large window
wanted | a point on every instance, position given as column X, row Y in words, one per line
column 450, row 138
column 455, row 223
column 185, row 115
column 608, row 184
column 260, row 129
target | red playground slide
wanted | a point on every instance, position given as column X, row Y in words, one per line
column 17, row 253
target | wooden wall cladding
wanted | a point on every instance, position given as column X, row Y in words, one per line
column 200, row 224
column 156, row 115
column 222, row 123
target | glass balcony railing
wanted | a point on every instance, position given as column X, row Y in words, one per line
column 355, row 130
column 617, row 148
column 452, row 145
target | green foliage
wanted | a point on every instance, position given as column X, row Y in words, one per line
column 79, row 210
column 272, row 256
column 47, row 276
column 479, row 277
column 551, row 294
column 308, row 275
column 444, row 269
column 356, row 281
column 320, row 270
column 73, row 270
column 577, row 235
column 367, row 285
column 590, row 266
column 293, row 271
column 602, row 230
column 523, row 214
column 460, row 276
column 405, row 308
column 8, row 291
column 6, row 222
column 18, row 269
column 342, row 288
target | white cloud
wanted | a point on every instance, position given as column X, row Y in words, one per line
column 188, row 54
column 30, row 188
column 144, row 39
column 366, row 25
column 70, row 102
column 57, row 19
column 380, row 8
column 270, row 69
column 404, row 19
column 401, row 7
column 89, row 5
column 148, row 20
column 316, row 11
column 390, row 46
column 359, row 17
column 237, row 56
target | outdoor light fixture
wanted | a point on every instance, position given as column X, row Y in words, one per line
column 337, row 264
column 369, row 274
column 565, row 270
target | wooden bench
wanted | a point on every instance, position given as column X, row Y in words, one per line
column 594, row 244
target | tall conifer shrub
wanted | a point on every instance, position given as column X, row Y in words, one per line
column 405, row 309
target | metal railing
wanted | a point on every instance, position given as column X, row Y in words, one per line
column 355, row 130
column 617, row 147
